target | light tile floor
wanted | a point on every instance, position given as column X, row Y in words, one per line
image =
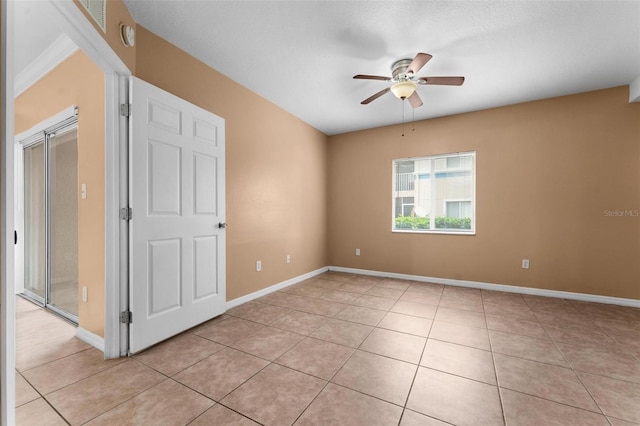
column 344, row 349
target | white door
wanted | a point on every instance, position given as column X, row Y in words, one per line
column 177, row 196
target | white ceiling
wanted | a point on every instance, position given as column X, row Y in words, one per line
column 302, row 55
column 34, row 32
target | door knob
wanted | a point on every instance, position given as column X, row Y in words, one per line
column 222, row 225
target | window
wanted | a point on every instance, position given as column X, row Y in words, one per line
column 458, row 209
column 453, row 162
column 435, row 194
column 405, row 176
column 404, row 206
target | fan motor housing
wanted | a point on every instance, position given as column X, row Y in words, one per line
column 399, row 68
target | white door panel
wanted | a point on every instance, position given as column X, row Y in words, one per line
column 177, row 195
column 205, row 197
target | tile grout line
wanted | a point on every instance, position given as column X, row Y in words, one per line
column 231, row 391
column 53, row 360
column 413, row 380
column 324, row 387
column 214, row 403
column 185, row 368
column 495, row 368
column 45, row 400
column 575, row 372
column 133, row 396
column 235, row 411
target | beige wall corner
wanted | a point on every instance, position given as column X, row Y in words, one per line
column 547, row 172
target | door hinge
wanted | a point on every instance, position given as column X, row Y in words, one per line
column 126, row 213
column 126, row 317
column 125, row 110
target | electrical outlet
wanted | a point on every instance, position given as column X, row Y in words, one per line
column 84, row 293
column 288, row 258
column 357, row 252
column 525, row 263
column 258, row 266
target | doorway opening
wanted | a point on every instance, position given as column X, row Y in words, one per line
column 47, row 216
column 76, row 79
column 71, row 20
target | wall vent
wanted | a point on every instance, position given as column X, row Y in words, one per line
column 98, row 11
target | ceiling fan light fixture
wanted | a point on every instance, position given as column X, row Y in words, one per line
column 403, row 89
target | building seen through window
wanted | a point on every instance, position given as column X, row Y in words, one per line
column 435, row 193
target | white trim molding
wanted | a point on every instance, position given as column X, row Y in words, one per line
column 496, row 287
column 252, row 296
column 634, row 90
column 7, row 250
column 54, row 55
column 82, row 32
column 90, row 338
column 45, row 124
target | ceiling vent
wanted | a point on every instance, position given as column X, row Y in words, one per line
column 98, row 11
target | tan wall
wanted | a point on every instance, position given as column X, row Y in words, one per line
column 276, row 170
column 78, row 81
column 546, row 171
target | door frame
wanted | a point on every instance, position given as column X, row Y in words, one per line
column 7, row 349
column 79, row 29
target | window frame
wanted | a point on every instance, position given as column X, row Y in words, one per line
column 433, row 158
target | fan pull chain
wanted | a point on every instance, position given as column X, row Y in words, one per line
column 403, row 117
column 413, row 119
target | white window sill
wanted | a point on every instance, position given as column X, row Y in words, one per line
column 435, row 231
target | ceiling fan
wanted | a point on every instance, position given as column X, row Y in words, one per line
column 405, row 81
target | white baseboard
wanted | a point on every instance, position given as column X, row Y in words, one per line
column 90, row 338
column 497, row 287
column 252, row 296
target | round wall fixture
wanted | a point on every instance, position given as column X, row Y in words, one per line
column 127, row 35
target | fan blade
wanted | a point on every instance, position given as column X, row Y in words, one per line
column 376, row 96
column 443, row 81
column 418, row 62
column 415, row 100
column 371, row 77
